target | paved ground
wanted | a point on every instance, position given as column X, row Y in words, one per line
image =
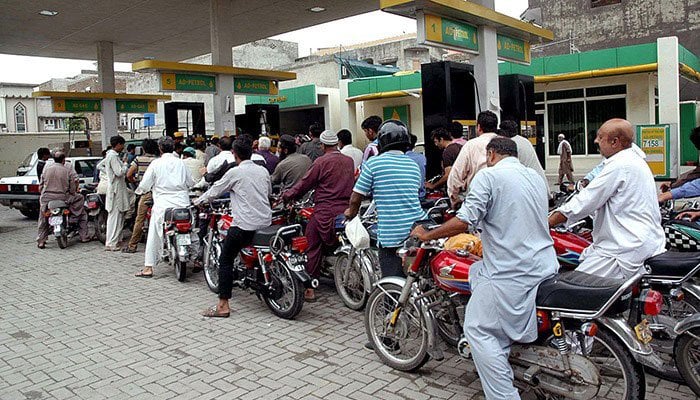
column 74, row 323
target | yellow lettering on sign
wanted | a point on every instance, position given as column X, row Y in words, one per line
column 167, row 81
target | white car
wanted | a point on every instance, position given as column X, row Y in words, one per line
column 22, row 192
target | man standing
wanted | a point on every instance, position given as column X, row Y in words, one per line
column 58, row 182
column 193, row 164
column 622, row 200
column 472, row 157
column 169, row 180
column 43, row 154
column 250, row 189
column 566, row 166
column 371, row 126
column 117, row 199
column 313, row 149
column 135, row 175
column 224, row 156
column 332, row 176
column 212, row 150
column 517, row 258
column 526, row 152
column 292, row 166
column 393, row 179
column 271, row 160
column 347, row 149
column 450, row 150
column 457, row 131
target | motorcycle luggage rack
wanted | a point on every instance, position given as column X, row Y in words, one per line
column 282, row 237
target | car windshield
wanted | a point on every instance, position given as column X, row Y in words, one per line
column 29, row 160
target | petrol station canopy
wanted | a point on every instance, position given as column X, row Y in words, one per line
column 153, row 29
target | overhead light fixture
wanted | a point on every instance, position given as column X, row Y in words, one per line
column 48, row 13
column 317, row 9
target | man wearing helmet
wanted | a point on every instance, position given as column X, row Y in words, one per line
column 393, row 179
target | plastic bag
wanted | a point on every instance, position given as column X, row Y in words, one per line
column 357, row 234
column 465, row 241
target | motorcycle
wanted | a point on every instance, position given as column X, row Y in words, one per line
column 98, row 213
column 405, row 316
column 178, row 247
column 273, row 266
column 65, row 225
column 686, row 350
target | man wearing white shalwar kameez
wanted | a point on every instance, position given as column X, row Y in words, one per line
column 623, row 203
column 169, row 179
column 117, row 201
column 508, row 201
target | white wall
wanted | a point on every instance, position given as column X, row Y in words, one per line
column 30, row 114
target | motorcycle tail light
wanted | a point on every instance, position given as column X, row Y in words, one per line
column 183, row 226
column 543, row 323
column 66, row 211
column 589, row 329
column 300, row 244
column 677, row 294
column 653, row 302
column 92, row 205
column 267, row 258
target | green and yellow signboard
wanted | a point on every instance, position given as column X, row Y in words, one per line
column 255, row 86
column 401, row 113
column 512, row 49
column 187, row 82
column 137, row 106
column 74, row 105
column 450, row 33
column 655, row 142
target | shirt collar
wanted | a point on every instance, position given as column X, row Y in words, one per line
column 169, row 155
column 246, row 162
column 399, row 152
column 508, row 160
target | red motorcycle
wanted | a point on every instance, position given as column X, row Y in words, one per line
column 273, row 266
column 598, row 351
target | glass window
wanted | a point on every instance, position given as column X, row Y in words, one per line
column 565, row 94
column 85, row 168
column 539, row 96
column 20, row 118
column 606, row 90
column 569, row 119
column 599, row 111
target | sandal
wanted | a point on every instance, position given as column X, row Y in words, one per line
column 141, row 274
column 213, row 312
column 309, row 298
column 41, row 245
column 128, row 250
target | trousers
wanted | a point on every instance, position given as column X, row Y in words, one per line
column 389, row 262
column 236, row 239
column 115, row 224
column 141, row 211
column 75, row 203
column 318, row 234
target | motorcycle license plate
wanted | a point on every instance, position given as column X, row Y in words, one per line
column 184, row 240
column 55, row 220
column 643, row 332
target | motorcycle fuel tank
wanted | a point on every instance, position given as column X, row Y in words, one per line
column 568, row 247
column 450, row 269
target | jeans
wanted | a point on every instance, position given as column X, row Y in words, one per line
column 390, row 263
column 236, row 239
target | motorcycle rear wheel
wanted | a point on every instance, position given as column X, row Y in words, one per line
column 687, row 354
column 212, row 252
column 291, row 300
column 405, row 349
column 101, row 226
column 62, row 240
column 351, row 291
column 180, row 266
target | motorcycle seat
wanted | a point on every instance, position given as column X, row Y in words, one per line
column 57, row 204
column 673, row 263
column 574, row 290
column 262, row 237
column 427, row 203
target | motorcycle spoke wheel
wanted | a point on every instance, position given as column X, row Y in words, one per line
column 405, row 346
column 349, row 282
column 211, row 269
column 289, row 302
column 687, row 353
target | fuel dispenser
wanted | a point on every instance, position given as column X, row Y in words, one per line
column 517, row 94
column 79, row 144
column 449, row 94
column 261, row 120
column 194, row 119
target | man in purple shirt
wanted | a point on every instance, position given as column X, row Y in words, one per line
column 332, row 176
column 271, row 160
column 371, row 126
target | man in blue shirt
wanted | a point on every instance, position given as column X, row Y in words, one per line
column 393, row 180
column 685, row 191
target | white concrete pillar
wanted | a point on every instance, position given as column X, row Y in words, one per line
column 348, row 116
column 105, row 77
column 669, row 94
column 486, row 66
column 221, row 54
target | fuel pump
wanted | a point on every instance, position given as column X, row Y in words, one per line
column 518, row 104
column 194, row 119
column 79, row 144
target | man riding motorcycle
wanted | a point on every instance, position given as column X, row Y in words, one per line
column 517, row 258
column 59, row 182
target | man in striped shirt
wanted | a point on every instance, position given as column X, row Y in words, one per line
column 393, row 180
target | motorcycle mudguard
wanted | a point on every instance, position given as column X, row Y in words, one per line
column 544, row 368
column 687, row 324
column 642, row 353
column 691, row 289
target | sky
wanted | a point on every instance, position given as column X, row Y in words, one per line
column 24, row 69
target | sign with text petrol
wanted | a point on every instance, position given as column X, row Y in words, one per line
column 448, row 33
column 137, row 106
column 513, row 49
column 255, row 86
column 75, row 105
column 187, row 82
column 655, row 142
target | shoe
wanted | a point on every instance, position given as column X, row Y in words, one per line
column 369, row 346
column 41, row 245
column 128, row 250
column 112, row 248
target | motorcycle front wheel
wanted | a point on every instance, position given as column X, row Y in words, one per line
column 687, row 354
column 349, row 282
column 621, row 377
column 212, row 252
column 405, row 346
column 101, row 226
column 286, row 296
